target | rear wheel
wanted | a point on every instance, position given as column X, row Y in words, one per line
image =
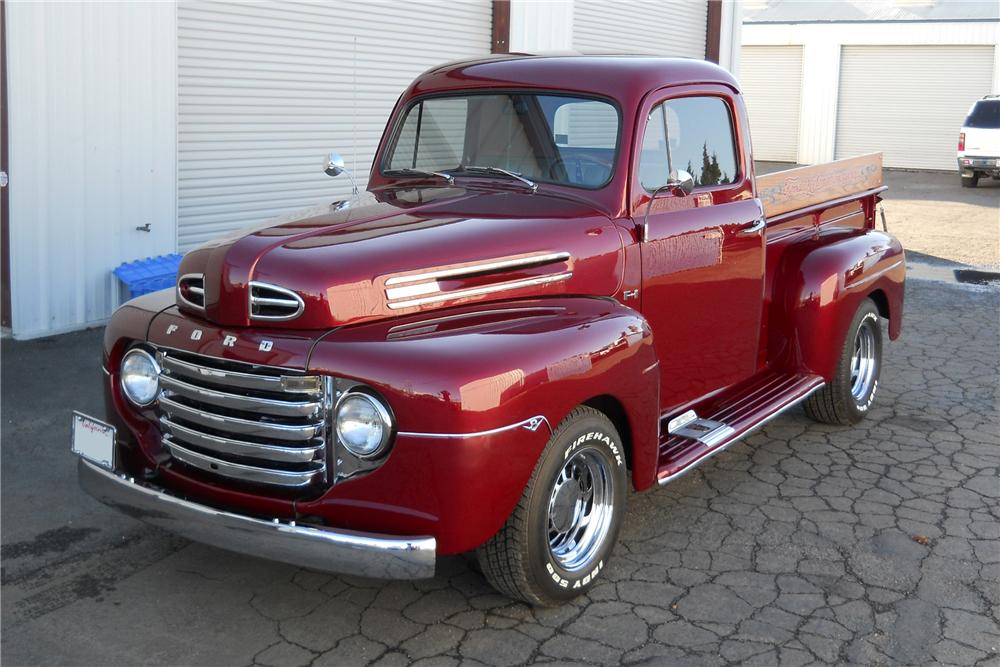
column 970, row 181
column 848, row 396
column 559, row 537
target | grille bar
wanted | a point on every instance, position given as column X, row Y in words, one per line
column 245, row 448
column 310, row 385
column 248, row 423
column 259, row 429
column 243, row 472
column 237, row 402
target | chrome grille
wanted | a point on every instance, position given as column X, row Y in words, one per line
column 270, row 302
column 191, row 290
column 254, row 424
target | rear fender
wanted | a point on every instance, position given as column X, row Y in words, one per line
column 464, row 387
column 824, row 281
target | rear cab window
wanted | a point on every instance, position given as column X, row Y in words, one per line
column 984, row 114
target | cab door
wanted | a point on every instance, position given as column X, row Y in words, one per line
column 702, row 252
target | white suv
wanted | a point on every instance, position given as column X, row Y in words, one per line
column 979, row 142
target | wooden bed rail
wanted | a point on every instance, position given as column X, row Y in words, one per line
column 798, row 188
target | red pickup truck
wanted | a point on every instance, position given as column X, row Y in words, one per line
column 563, row 279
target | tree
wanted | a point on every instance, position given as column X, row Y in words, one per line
column 711, row 172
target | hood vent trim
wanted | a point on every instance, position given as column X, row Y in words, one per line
column 274, row 304
column 191, row 290
column 421, row 289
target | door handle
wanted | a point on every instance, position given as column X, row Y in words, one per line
column 751, row 228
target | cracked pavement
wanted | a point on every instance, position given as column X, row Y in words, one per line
column 804, row 544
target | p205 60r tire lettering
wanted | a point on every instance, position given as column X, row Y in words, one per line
column 565, row 583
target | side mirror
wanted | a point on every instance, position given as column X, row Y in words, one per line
column 680, row 180
column 334, row 165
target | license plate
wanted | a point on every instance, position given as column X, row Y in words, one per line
column 94, row 440
column 998, row 162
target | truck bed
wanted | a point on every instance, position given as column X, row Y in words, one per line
column 821, row 185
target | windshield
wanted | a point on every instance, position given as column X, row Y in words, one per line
column 545, row 138
column 984, row 114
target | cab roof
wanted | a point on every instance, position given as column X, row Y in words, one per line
column 622, row 77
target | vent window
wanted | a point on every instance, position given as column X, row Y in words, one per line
column 269, row 302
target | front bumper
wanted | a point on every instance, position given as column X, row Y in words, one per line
column 328, row 550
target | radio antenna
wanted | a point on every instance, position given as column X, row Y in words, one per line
column 354, row 114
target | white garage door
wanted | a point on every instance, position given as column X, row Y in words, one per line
column 771, row 79
column 909, row 101
column 266, row 90
column 671, row 28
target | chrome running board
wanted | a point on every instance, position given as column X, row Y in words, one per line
column 691, row 440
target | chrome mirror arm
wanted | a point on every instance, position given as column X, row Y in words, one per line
column 649, row 206
column 679, row 180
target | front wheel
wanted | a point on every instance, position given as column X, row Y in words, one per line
column 848, row 396
column 559, row 536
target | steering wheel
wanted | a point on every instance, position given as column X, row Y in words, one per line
column 579, row 160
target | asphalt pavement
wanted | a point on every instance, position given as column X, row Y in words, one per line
column 804, row 544
column 878, row 543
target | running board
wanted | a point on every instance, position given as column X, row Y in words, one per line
column 690, row 439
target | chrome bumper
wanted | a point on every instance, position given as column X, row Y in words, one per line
column 329, row 550
column 989, row 163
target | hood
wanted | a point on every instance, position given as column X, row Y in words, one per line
column 395, row 252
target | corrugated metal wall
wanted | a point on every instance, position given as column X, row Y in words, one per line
column 909, row 101
column 771, row 81
column 671, row 27
column 897, row 78
column 92, row 113
column 538, row 26
column 266, row 90
column 210, row 116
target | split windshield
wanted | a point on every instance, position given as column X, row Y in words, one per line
column 545, row 138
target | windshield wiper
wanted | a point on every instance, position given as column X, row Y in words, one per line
column 421, row 172
column 502, row 172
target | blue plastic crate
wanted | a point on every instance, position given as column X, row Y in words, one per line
column 148, row 275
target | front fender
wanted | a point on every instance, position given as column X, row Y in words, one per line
column 464, row 386
column 824, row 282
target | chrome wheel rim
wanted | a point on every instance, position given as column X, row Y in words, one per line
column 864, row 363
column 580, row 510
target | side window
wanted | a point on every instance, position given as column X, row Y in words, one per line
column 696, row 134
column 701, row 139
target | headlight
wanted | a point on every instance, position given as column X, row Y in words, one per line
column 363, row 424
column 140, row 377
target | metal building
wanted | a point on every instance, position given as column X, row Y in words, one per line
column 826, row 80
column 144, row 128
